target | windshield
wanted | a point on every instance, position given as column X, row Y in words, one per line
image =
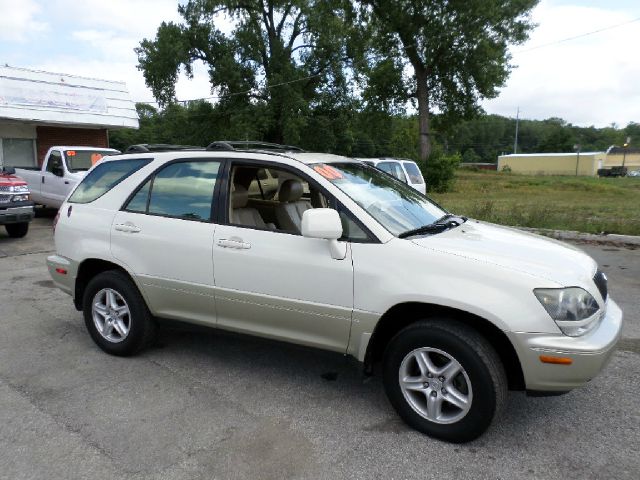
column 81, row 160
column 396, row 206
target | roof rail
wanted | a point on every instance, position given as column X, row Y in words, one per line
column 251, row 145
column 158, row 147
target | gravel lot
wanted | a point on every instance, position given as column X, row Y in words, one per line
column 206, row 404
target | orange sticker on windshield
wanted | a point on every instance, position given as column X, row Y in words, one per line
column 71, row 153
column 328, row 172
column 95, row 158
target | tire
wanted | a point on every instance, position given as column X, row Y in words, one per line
column 17, row 230
column 116, row 315
column 481, row 380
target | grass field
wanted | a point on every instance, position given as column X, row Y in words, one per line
column 585, row 204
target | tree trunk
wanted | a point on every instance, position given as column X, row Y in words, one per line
column 423, row 112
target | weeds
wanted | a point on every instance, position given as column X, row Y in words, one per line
column 585, row 204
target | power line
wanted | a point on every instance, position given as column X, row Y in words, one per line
column 232, row 94
column 578, row 36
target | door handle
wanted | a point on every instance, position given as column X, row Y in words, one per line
column 234, row 242
column 127, row 227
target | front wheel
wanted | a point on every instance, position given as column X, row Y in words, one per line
column 116, row 315
column 17, row 230
column 444, row 379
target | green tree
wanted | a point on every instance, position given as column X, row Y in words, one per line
column 557, row 137
column 280, row 55
column 457, row 49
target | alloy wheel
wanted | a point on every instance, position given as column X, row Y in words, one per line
column 435, row 385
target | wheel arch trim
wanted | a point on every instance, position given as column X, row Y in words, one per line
column 372, row 344
column 89, row 268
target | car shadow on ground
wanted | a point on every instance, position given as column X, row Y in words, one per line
column 289, row 376
column 45, row 212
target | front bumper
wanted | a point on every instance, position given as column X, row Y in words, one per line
column 589, row 354
column 18, row 214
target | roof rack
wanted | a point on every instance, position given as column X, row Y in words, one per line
column 251, row 145
column 221, row 145
column 158, row 147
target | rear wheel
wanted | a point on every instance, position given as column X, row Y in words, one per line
column 17, row 230
column 116, row 315
column 444, row 379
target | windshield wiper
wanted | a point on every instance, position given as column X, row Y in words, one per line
column 440, row 225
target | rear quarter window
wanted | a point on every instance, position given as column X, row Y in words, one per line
column 414, row 172
column 394, row 169
column 104, row 177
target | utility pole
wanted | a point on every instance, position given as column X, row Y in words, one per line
column 577, row 147
column 515, row 142
column 624, row 151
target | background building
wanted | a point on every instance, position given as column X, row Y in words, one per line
column 616, row 156
column 41, row 109
column 587, row 163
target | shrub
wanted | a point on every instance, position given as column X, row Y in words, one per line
column 470, row 168
column 440, row 171
column 471, row 156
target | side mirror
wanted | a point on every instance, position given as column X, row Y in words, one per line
column 9, row 170
column 58, row 171
column 325, row 223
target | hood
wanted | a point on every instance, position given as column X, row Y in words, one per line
column 515, row 250
column 10, row 180
column 76, row 176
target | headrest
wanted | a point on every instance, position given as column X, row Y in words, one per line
column 290, row 191
column 239, row 197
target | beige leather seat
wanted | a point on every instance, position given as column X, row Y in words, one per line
column 290, row 209
column 241, row 214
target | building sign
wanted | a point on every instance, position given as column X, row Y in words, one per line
column 46, row 95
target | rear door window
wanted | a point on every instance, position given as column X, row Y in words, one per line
column 180, row 190
column 104, row 177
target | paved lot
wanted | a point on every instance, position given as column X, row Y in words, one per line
column 214, row 405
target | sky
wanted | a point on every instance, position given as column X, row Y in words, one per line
column 592, row 80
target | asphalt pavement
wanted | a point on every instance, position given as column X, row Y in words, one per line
column 204, row 404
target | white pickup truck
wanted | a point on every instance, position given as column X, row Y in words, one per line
column 62, row 169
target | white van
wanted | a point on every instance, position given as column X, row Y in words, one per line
column 402, row 168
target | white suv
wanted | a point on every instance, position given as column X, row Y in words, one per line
column 342, row 257
column 403, row 169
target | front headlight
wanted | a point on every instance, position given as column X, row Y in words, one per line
column 574, row 309
column 20, row 198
